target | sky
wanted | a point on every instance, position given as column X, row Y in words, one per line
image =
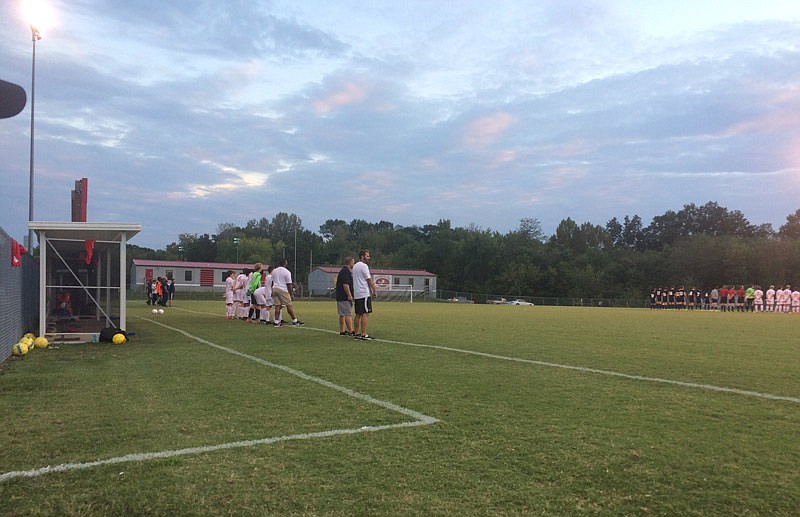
column 185, row 115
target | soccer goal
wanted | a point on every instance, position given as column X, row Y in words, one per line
column 398, row 293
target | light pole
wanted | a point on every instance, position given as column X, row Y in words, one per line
column 180, row 250
column 35, row 36
column 295, row 253
column 236, row 241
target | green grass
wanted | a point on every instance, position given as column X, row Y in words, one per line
column 513, row 437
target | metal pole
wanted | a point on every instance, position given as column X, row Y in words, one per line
column 295, row 253
column 35, row 36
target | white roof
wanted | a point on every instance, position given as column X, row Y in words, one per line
column 86, row 231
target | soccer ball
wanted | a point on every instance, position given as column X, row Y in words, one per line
column 41, row 342
column 30, row 335
column 20, row 349
column 161, row 311
column 155, row 311
column 28, row 342
column 118, row 339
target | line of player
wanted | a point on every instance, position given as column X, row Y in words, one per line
column 728, row 299
column 254, row 297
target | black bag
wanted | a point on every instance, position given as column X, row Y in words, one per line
column 107, row 334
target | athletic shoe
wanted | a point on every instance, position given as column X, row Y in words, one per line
column 356, row 336
column 366, row 337
column 279, row 324
column 298, row 323
column 344, row 333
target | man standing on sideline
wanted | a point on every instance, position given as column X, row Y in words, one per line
column 282, row 288
column 363, row 287
column 344, row 298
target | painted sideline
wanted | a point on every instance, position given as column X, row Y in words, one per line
column 419, row 420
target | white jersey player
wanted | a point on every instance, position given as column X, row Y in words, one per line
column 230, row 283
column 758, row 299
column 770, row 297
column 241, row 300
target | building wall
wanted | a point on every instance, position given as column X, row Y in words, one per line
column 186, row 278
column 322, row 280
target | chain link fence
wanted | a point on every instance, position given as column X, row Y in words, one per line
column 19, row 305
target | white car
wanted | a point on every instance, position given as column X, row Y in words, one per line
column 519, row 302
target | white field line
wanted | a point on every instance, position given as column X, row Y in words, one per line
column 610, row 373
column 419, row 419
column 144, row 456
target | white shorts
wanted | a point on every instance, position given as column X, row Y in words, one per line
column 260, row 297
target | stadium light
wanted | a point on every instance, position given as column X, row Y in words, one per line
column 236, row 241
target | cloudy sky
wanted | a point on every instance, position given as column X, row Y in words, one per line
column 187, row 114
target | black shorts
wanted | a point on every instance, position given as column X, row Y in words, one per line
column 363, row 305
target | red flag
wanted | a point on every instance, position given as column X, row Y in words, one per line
column 89, row 252
column 17, row 251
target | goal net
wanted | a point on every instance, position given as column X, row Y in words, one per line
column 398, row 293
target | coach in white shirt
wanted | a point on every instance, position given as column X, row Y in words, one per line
column 282, row 293
column 363, row 287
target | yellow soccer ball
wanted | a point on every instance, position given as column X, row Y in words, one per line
column 20, row 349
column 40, row 342
column 118, row 339
column 30, row 335
column 28, row 342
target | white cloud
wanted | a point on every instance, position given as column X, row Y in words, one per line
column 470, row 111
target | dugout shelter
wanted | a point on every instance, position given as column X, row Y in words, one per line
column 82, row 287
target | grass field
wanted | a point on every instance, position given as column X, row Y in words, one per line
column 454, row 410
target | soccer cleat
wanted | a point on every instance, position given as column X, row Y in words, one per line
column 344, row 333
column 278, row 324
column 298, row 323
column 366, row 337
column 356, row 336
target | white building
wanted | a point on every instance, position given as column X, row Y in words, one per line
column 189, row 276
column 322, row 280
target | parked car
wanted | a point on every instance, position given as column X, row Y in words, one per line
column 501, row 301
column 520, row 301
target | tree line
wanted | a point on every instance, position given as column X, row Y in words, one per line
column 701, row 246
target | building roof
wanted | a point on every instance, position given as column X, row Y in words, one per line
column 86, row 231
column 377, row 271
column 187, row 264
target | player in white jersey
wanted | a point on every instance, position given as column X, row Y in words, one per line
column 795, row 300
column 230, row 282
column 770, row 298
column 758, row 299
column 785, row 298
column 240, row 294
column 262, row 297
